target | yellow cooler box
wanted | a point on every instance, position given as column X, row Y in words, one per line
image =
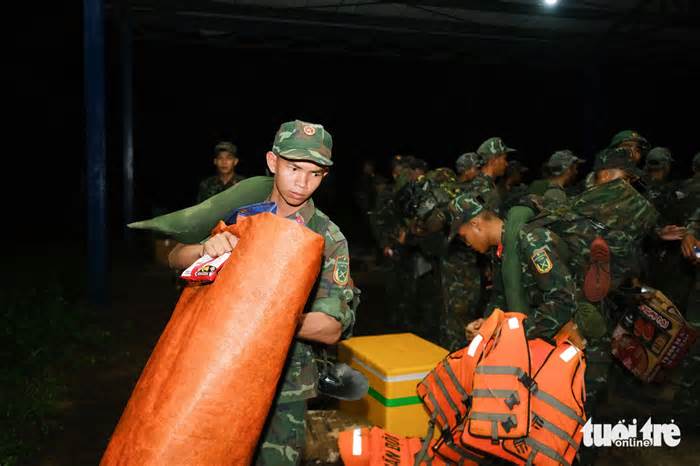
column 394, row 364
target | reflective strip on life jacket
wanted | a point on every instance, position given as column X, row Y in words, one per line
column 455, row 382
column 555, row 430
column 556, row 404
column 537, row 447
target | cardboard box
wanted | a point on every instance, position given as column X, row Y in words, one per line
column 652, row 338
column 394, row 364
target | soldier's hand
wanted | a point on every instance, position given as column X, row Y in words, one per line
column 220, row 244
column 689, row 241
column 472, row 329
column 388, row 252
column 672, row 233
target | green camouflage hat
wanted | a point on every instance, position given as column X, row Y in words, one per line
column 658, row 157
column 493, row 147
column 462, row 209
column 561, row 160
column 628, row 135
column 225, row 146
column 617, row 157
column 299, row 140
column 467, row 162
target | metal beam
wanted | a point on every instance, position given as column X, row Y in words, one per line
column 94, row 75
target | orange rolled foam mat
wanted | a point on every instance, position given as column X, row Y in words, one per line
column 206, row 390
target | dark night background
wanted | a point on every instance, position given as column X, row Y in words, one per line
column 378, row 95
column 189, row 96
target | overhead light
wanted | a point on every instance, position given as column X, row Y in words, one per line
column 551, row 2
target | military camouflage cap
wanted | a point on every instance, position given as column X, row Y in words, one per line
column 628, row 135
column 617, row 157
column 462, row 209
column 493, row 147
column 658, row 157
column 299, row 140
column 561, row 160
column 467, row 162
column 696, row 162
column 225, row 146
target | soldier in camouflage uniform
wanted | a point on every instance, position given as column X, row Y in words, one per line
column 390, row 231
column 548, row 284
column 299, row 159
column 459, row 282
column 511, row 188
column 225, row 161
column 494, row 154
column 633, row 142
column 562, row 170
column 467, row 166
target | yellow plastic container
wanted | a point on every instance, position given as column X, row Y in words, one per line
column 394, row 364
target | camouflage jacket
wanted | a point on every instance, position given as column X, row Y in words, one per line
column 549, row 286
column 213, row 185
column 332, row 295
column 693, row 224
column 485, row 187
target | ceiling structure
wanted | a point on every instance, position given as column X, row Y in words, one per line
column 477, row 31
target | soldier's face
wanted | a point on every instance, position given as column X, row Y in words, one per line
column 474, row 235
column 295, row 181
column 634, row 150
column 225, row 162
column 658, row 174
column 500, row 164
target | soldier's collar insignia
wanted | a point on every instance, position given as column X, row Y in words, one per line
column 341, row 271
column 540, row 259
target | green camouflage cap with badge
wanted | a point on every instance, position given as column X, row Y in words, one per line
column 468, row 161
column 299, row 140
column 493, row 147
column 225, row 146
column 658, row 157
column 617, row 157
column 561, row 160
column 462, row 209
column 628, row 135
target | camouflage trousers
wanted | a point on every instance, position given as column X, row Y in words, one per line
column 283, row 437
column 460, row 283
column 598, row 365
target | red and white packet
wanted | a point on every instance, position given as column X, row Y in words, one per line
column 205, row 269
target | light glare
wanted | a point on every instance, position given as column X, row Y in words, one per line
column 550, row 2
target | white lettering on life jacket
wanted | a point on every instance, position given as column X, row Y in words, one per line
column 357, row 442
column 513, row 323
column 474, row 345
column 569, row 353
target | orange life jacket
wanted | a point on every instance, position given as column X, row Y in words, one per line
column 531, row 388
column 508, row 397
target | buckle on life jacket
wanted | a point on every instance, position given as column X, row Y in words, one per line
column 512, row 400
column 510, row 423
column 529, row 382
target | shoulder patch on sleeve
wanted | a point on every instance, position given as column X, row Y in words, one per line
column 540, row 259
column 341, row 271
